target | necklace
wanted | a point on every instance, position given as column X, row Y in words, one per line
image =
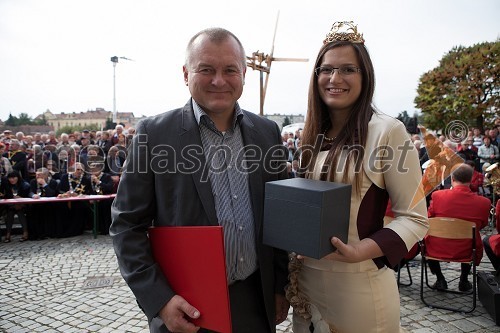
column 96, row 185
column 78, row 187
column 328, row 139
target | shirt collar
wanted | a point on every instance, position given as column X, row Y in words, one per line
column 199, row 114
column 462, row 188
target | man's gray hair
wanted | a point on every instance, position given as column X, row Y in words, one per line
column 216, row 35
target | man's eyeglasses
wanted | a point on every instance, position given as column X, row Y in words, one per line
column 342, row 70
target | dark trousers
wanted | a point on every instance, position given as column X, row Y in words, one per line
column 248, row 313
column 435, row 268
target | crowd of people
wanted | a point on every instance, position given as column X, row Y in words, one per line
column 482, row 149
column 328, row 295
column 459, row 183
column 47, row 165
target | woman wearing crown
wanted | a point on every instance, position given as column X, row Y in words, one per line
column 353, row 289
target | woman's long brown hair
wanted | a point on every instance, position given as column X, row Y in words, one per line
column 355, row 130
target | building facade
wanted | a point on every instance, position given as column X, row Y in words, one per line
column 97, row 117
column 280, row 118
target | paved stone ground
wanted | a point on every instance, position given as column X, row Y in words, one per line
column 53, row 286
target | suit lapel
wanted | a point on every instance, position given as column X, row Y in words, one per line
column 190, row 136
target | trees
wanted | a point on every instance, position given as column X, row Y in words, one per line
column 24, row 119
column 71, row 129
column 465, row 86
column 411, row 123
column 286, row 122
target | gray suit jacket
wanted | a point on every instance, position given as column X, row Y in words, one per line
column 165, row 182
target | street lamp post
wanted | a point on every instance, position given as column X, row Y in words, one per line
column 114, row 60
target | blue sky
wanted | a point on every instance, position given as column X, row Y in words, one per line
column 55, row 54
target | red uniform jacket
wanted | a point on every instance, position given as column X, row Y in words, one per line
column 461, row 203
column 495, row 239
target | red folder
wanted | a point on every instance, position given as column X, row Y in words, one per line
column 193, row 261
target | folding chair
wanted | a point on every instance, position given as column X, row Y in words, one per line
column 446, row 228
column 414, row 251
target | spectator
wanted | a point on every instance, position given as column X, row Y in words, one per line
column 459, row 202
column 477, row 181
column 6, row 138
column 5, row 166
column 114, row 161
column 85, row 135
column 102, row 184
column 37, row 139
column 487, row 153
column 492, row 243
column 104, row 143
column 468, row 151
column 28, row 141
column 121, row 144
column 118, row 131
column 63, row 161
column 93, row 157
column 51, row 140
column 295, row 167
column 53, row 169
column 41, row 217
column 15, row 187
column 74, row 218
column 494, row 137
column 477, row 137
column 64, row 143
column 418, row 145
column 71, row 139
column 20, row 138
column 17, row 158
column 290, row 145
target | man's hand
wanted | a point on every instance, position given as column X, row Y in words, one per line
column 282, row 306
column 173, row 315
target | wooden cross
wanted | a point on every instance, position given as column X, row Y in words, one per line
column 262, row 62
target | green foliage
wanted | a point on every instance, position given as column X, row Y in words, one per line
column 110, row 124
column 409, row 122
column 40, row 121
column 465, row 86
column 286, row 122
column 71, row 129
column 11, row 121
column 24, row 119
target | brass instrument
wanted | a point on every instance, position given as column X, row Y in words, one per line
column 492, row 175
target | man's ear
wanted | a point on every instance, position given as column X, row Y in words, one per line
column 185, row 72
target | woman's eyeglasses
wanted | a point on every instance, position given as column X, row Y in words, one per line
column 342, row 70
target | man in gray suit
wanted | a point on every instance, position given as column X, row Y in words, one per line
column 204, row 164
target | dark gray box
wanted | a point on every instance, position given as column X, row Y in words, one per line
column 302, row 215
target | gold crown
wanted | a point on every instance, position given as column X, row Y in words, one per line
column 344, row 31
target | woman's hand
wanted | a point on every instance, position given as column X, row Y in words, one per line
column 345, row 253
column 355, row 252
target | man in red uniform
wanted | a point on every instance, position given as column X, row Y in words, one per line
column 492, row 243
column 458, row 202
